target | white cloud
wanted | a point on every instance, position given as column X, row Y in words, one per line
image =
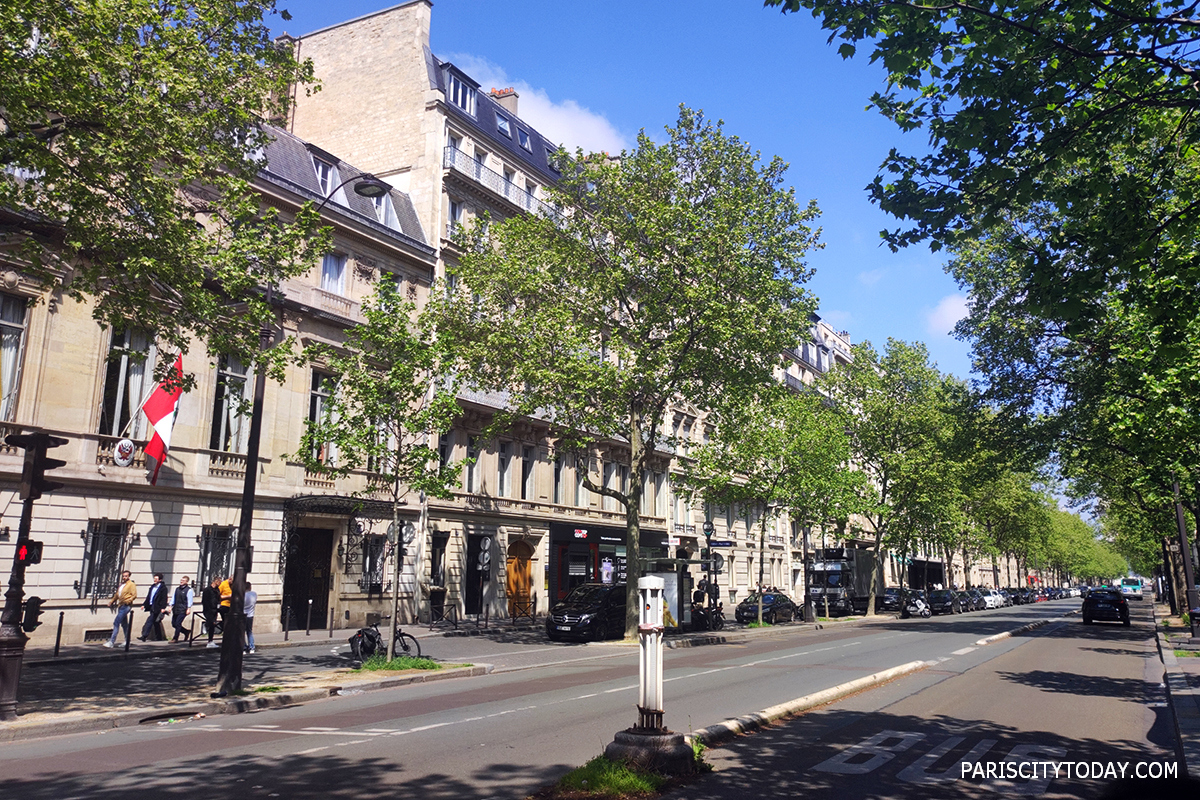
column 838, row 320
column 871, row 277
column 949, row 311
column 564, row 122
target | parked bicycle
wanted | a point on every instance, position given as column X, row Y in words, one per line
column 368, row 641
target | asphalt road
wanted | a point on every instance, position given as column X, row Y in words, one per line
column 1066, row 694
column 553, row 707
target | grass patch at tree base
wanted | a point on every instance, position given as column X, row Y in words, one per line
column 1187, row 653
column 380, row 662
column 757, row 624
column 605, row 779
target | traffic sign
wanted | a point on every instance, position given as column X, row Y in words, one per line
column 720, row 543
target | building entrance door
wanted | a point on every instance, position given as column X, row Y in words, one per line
column 519, row 573
column 307, row 577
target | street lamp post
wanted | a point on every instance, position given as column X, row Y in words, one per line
column 229, row 676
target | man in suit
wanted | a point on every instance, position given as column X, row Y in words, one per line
column 155, row 605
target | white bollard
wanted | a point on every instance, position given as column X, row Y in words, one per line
column 650, row 640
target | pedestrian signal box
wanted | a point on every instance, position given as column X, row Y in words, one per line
column 29, row 552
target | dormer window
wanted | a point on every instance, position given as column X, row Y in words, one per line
column 523, row 138
column 502, row 125
column 385, row 211
column 460, row 93
column 326, row 176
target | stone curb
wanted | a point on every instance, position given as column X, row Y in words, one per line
column 86, row 723
column 722, row 732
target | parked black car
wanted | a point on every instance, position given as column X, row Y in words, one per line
column 590, row 611
column 970, row 601
column 776, row 608
column 1107, row 604
column 944, row 601
column 890, row 601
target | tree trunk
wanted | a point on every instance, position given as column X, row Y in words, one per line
column 762, row 554
column 875, row 573
column 633, row 523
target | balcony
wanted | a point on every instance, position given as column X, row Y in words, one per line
column 334, row 303
column 458, row 161
column 226, row 465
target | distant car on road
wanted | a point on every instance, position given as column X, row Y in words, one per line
column 776, row 608
column 1106, row 604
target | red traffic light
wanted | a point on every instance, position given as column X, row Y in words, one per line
column 29, row 552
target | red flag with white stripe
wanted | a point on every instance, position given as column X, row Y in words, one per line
column 161, row 407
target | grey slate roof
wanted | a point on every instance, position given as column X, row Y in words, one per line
column 289, row 163
column 483, row 128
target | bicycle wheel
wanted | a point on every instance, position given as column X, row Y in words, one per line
column 407, row 645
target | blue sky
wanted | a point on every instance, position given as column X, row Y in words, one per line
column 593, row 74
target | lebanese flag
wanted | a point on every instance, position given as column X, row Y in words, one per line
column 160, row 408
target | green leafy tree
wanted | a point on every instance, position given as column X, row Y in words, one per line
column 893, row 405
column 388, row 400
column 783, row 452
column 132, row 130
column 671, row 273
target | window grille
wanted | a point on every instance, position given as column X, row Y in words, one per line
column 103, row 558
column 217, row 543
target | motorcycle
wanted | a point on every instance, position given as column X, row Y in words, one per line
column 366, row 642
column 704, row 619
column 915, row 606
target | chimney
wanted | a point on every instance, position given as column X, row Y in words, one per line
column 507, row 98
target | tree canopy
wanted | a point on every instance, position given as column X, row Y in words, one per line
column 670, row 275
column 131, row 133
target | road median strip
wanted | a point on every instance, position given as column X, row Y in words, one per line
column 722, row 732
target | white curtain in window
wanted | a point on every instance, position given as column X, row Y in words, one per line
column 136, row 382
column 12, row 311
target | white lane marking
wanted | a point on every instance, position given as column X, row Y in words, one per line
column 264, row 726
column 313, row 750
column 963, row 651
column 318, row 729
column 620, row 689
column 381, row 730
column 430, row 727
column 585, row 696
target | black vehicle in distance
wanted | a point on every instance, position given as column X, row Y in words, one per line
column 944, row 601
column 776, row 608
column 590, row 611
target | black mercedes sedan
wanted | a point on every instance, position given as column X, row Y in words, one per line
column 944, row 601
column 776, row 608
column 1106, row 604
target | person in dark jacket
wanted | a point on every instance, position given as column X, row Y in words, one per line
column 155, row 606
column 181, row 606
column 210, row 601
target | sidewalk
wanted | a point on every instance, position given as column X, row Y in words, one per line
column 1182, row 679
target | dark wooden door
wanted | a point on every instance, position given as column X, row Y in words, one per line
column 307, row 577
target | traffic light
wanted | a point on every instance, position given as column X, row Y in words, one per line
column 33, row 610
column 29, row 552
column 704, row 562
column 33, row 477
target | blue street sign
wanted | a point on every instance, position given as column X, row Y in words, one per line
column 720, row 543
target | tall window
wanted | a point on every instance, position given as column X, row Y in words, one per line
column 230, row 426
column 480, row 164
column 12, row 339
column 472, row 471
column 437, row 560
column 333, row 273
column 527, row 462
column 444, row 445
column 455, row 220
column 318, row 409
column 327, row 179
column 127, row 379
column 385, row 212
column 103, row 557
column 558, row 479
column 217, row 543
column 374, row 546
column 581, row 492
column 460, row 93
column 660, row 495
column 504, row 470
column 523, row 138
column 502, row 125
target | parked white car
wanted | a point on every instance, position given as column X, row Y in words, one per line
column 993, row 598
